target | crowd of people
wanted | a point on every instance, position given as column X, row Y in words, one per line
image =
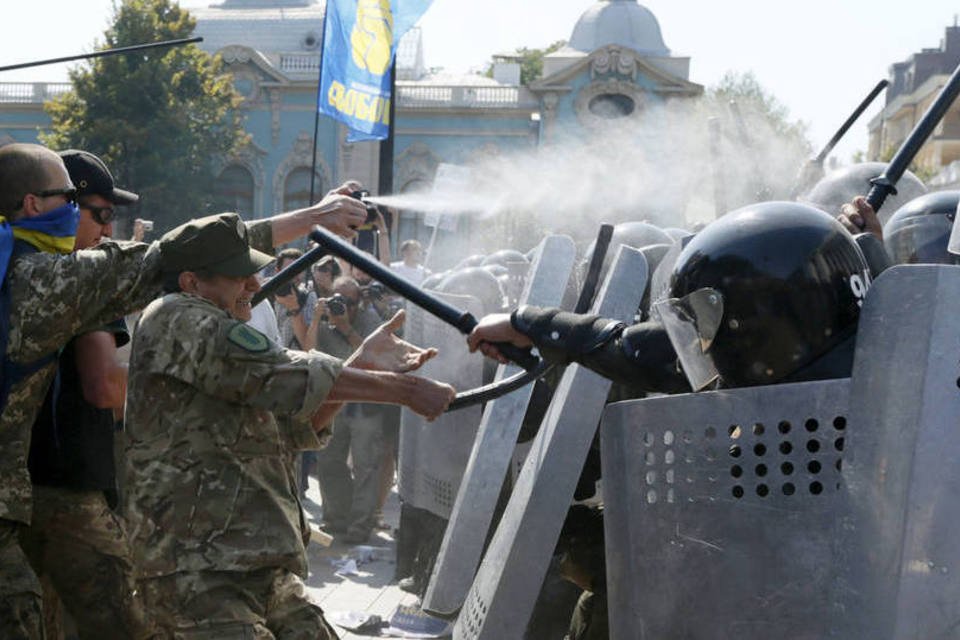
column 228, row 409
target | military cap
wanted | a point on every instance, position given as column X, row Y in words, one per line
column 217, row 244
column 90, row 176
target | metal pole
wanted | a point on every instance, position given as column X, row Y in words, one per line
column 316, row 110
column 106, row 52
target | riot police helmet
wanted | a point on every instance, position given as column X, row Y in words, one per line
column 843, row 185
column 919, row 231
column 632, row 234
column 761, row 293
column 433, row 280
column 476, row 282
column 474, row 260
column 503, row 257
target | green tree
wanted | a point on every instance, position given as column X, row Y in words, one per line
column 751, row 96
column 161, row 119
column 531, row 62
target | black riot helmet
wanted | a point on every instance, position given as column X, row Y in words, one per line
column 843, row 185
column 476, row 282
column 761, row 293
column 474, row 260
column 433, row 280
column 504, row 257
column 632, row 234
column 919, row 231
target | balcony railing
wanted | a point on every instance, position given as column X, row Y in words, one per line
column 300, row 63
column 31, row 92
column 450, row 96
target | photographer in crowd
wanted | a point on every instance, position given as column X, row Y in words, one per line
column 351, row 496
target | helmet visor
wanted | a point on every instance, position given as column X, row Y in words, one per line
column 954, row 245
column 691, row 323
column 924, row 242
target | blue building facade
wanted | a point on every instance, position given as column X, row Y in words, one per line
column 614, row 66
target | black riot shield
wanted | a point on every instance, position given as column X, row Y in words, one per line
column 723, row 513
column 493, row 448
column 503, row 593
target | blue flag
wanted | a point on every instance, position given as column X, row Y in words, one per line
column 359, row 43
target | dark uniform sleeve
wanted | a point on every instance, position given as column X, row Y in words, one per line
column 638, row 355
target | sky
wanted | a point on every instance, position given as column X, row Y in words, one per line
column 819, row 58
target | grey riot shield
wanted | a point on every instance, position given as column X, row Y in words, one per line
column 501, row 598
column 433, row 455
column 492, row 449
column 904, row 475
column 723, row 512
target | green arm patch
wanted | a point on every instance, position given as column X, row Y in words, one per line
column 248, row 338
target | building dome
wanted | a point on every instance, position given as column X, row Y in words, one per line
column 622, row 22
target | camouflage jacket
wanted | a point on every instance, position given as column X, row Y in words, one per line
column 208, row 481
column 52, row 299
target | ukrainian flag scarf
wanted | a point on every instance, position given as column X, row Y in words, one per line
column 52, row 232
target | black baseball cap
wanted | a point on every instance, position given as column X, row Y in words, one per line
column 218, row 244
column 90, row 176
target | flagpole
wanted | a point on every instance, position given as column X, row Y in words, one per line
column 316, row 106
column 385, row 186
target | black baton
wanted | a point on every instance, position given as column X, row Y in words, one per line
column 463, row 321
column 885, row 184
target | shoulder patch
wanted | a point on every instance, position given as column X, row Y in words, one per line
column 248, row 338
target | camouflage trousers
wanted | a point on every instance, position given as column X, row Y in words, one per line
column 265, row 604
column 20, row 601
column 80, row 547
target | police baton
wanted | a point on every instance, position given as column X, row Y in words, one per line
column 463, row 321
column 885, row 184
column 284, row 276
column 849, row 121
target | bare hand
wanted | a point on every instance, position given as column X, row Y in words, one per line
column 339, row 214
column 859, row 217
column 139, row 230
column 495, row 327
column 384, row 351
column 346, row 188
column 430, row 398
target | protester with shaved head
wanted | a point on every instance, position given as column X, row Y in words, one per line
column 48, row 295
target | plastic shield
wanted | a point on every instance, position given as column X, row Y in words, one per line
column 493, row 448
column 501, row 599
column 433, row 455
column 723, row 513
column 904, row 475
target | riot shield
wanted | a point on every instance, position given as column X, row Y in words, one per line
column 501, row 598
column 433, row 455
column 722, row 513
column 492, row 450
column 904, row 475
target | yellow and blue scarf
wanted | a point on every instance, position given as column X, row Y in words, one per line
column 52, row 232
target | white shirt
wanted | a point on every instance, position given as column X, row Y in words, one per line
column 415, row 274
column 264, row 320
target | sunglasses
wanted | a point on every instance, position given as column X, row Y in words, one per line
column 69, row 193
column 101, row 215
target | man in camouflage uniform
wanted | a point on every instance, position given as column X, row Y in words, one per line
column 77, row 545
column 212, row 499
column 49, row 298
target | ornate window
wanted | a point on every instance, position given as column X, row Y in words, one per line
column 296, row 189
column 233, row 191
column 611, row 105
